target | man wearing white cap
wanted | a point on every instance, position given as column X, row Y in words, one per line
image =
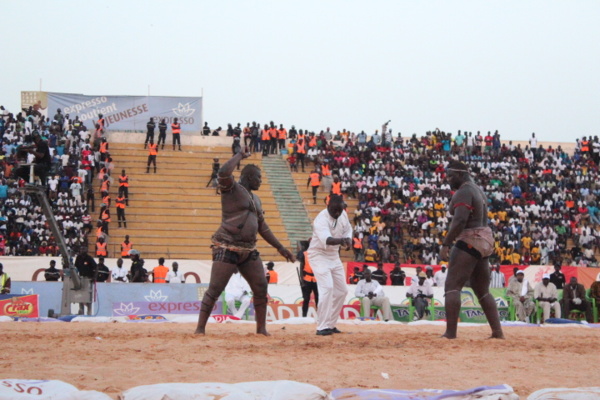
column 546, row 293
column 522, row 295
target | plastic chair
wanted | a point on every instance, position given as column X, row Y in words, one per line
column 237, row 305
column 363, row 314
column 593, row 304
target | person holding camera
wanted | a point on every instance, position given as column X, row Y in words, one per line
column 420, row 290
column 370, row 293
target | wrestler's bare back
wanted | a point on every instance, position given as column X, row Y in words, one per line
column 472, row 195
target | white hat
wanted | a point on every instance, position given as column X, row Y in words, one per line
column 546, row 276
column 520, row 272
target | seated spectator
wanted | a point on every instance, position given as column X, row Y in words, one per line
column 521, row 293
column 547, row 295
column 419, row 292
column 574, row 299
column 118, row 273
column 237, row 289
column 371, row 293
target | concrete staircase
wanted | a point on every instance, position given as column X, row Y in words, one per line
column 289, row 202
column 171, row 213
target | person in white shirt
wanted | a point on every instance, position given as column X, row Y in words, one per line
column 119, row 274
column 546, row 294
column 174, row 276
column 420, row 291
column 331, row 229
column 370, row 293
column 237, row 289
column 439, row 278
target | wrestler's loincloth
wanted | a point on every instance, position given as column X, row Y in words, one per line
column 479, row 242
column 226, row 249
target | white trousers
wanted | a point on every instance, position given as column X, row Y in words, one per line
column 331, row 281
column 546, row 307
column 245, row 302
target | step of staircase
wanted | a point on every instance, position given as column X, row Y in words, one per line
column 292, row 211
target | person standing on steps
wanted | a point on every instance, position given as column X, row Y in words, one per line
column 150, row 126
column 152, row 152
column 124, row 186
column 162, row 133
column 120, row 202
column 176, row 128
column 234, row 242
column 468, row 245
column 314, row 180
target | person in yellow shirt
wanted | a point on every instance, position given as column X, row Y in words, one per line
column 536, row 255
column 526, row 244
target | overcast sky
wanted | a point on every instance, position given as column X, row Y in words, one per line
column 516, row 66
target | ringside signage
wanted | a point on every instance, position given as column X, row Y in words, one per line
column 128, row 113
column 20, row 306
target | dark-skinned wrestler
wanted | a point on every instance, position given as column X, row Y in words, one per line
column 234, row 243
column 469, row 243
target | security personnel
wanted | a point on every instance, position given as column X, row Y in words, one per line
column 265, row 140
column 301, row 150
column 105, row 186
column 103, row 149
column 4, row 281
column 105, row 217
column 121, row 211
column 314, row 180
column 281, row 136
column 124, row 186
column 357, row 246
column 176, row 128
column 152, row 152
column 150, row 126
column 125, row 247
column 336, row 186
column 272, row 276
column 309, row 284
column 159, row 273
column 101, row 248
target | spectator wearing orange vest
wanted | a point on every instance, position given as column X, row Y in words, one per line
column 326, row 177
column 336, row 186
column 104, row 186
column 273, row 139
column 308, row 284
column 121, row 211
column 152, row 152
column 159, row 273
column 300, row 149
column 314, row 180
column 124, row 186
column 125, row 247
column 104, row 217
column 281, row 136
column 176, row 128
column 265, row 140
column 357, row 246
column 101, row 250
column 103, row 149
column 272, row 276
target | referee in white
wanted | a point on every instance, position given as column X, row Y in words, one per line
column 331, row 229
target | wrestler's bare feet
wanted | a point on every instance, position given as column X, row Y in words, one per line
column 497, row 335
column 199, row 331
column 263, row 332
column 448, row 336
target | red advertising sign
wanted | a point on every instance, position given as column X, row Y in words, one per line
column 21, row 306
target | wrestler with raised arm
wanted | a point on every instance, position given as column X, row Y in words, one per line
column 234, row 243
column 469, row 243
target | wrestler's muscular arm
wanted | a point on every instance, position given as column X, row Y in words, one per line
column 461, row 215
column 226, row 170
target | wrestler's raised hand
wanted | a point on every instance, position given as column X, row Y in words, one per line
column 288, row 255
column 246, row 152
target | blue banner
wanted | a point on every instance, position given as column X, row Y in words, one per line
column 129, row 113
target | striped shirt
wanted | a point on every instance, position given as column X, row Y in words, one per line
column 497, row 280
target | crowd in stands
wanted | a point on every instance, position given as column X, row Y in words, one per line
column 76, row 156
column 542, row 201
